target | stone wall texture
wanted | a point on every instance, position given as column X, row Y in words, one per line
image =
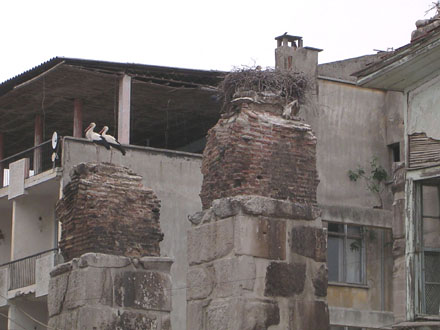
column 257, row 263
column 257, row 252
column 107, row 292
column 255, row 152
column 106, row 209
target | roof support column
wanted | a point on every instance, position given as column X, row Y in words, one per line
column 38, row 139
column 124, row 109
column 77, row 118
column 2, row 166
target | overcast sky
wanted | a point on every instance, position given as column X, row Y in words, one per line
column 199, row 34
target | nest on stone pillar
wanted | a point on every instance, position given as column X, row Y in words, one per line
column 254, row 84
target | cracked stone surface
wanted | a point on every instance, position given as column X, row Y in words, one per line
column 124, row 293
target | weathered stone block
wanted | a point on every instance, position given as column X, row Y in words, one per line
column 309, row 315
column 194, row 315
column 129, row 320
column 270, row 207
column 101, row 260
column 57, row 293
column 284, row 280
column 259, row 237
column 210, row 241
column 147, row 290
column 162, row 264
column 309, row 242
column 242, row 314
column 233, row 275
column 320, row 281
column 107, row 292
column 196, row 218
column 199, row 283
column 88, row 286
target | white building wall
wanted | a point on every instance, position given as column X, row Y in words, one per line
column 33, row 225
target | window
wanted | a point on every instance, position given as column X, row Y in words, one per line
column 346, row 254
column 431, row 247
column 394, row 150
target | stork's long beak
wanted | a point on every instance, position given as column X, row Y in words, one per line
column 88, row 127
column 102, row 130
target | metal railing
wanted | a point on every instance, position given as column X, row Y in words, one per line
column 22, row 271
column 39, row 161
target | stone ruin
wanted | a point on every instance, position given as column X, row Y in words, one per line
column 114, row 277
column 424, row 26
column 105, row 209
column 257, row 252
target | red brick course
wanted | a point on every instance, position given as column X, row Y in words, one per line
column 256, row 152
column 105, row 209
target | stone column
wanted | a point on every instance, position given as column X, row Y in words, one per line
column 38, row 139
column 114, row 277
column 257, row 252
column 77, row 118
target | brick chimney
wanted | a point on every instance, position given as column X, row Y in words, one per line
column 290, row 54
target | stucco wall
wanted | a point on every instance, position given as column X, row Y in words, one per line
column 176, row 179
column 37, row 309
column 423, row 109
column 34, row 225
column 5, row 227
column 350, row 126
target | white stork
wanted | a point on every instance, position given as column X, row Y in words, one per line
column 111, row 140
column 95, row 137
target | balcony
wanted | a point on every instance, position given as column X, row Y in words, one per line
column 29, row 274
column 38, row 160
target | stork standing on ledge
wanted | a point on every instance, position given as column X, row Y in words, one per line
column 95, row 137
column 111, row 140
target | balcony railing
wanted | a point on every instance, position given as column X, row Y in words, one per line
column 22, row 271
column 39, row 161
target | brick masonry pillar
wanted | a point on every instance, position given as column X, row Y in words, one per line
column 114, row 277
column 106, row 209
column 257, row 252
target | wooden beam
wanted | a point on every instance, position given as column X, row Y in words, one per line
column 38, row 139
column 77, row 119
column 124, row 109
column 2, row 166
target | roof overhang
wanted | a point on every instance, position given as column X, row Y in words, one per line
column 170, row 107
column 405, row 67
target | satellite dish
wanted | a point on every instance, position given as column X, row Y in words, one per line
column 54, row 140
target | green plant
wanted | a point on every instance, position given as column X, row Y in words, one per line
column 375, row 179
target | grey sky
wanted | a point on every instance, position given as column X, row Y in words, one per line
column 198, row 34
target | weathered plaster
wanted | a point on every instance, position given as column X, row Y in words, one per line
column 423, row 109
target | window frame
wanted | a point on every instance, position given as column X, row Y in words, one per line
column 425, row 250
column 345, row 235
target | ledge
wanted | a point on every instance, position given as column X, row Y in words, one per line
column 357, row 215
column 361, row 318
column 257, row 206
column 349, row 285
